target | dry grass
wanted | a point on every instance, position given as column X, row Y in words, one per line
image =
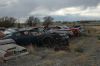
column 59, row 54
column 93, row 30
column 96, row 27
column 98, row 42
column 81, row 59
column 47, row 63
column 73, row 58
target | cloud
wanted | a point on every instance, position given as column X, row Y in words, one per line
column 90, row 11
column 40, row 11
column 73, row 8
column 66, row 11
column 7, row 3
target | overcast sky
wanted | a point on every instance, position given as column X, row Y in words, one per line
column 59, row 9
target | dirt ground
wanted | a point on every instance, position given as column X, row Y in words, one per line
column 88, row 56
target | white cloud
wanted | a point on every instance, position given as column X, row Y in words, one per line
column 40, row 11
column 89, row 12
column 65, row 11
column 66, row 8
column 7, row 3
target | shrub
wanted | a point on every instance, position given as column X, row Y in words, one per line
column 98, row 37
column 79, row 49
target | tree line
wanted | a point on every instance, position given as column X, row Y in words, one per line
column 30, row 21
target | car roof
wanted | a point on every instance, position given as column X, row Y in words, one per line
column 6, row 47
column 11, row 46
column 6, row 41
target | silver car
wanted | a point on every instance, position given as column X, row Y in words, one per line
column 11, row 50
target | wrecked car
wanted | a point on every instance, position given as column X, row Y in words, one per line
column 40, row 39
column 9, row 50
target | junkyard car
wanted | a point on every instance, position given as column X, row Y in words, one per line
column 41, row 39
column 10, row 30
column 9, row 50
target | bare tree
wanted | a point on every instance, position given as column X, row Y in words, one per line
column 7, row 22
column 32, row 21
column 48, row 20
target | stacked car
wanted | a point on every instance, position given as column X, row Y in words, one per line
column 9, row 49
column 38, row 37
column 14, row 41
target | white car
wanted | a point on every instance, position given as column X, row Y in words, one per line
column 9, row 31
column 6, row 41
column 11, row 50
